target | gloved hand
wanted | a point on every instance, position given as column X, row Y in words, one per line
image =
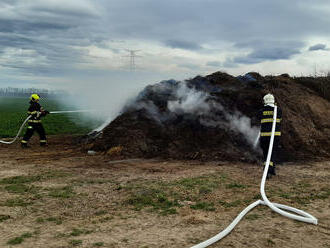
column 44, row 112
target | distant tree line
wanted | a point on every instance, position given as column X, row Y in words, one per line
column 26, row 92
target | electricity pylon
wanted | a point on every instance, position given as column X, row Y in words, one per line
column 132, row 55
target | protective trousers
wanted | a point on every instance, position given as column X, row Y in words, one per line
column 38, row 127
column 264, row 143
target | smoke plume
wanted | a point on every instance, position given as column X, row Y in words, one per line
column 167, row 100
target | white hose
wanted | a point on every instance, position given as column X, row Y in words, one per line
column 301, row 215
column 19, row 131
column 71, row 111
column 26, row 120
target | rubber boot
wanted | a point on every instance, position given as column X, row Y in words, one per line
column 272, row 170
column 24, row 145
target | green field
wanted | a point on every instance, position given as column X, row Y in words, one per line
column 13, row 111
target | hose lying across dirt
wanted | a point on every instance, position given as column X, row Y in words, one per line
column 26, row 120
column 300, row 215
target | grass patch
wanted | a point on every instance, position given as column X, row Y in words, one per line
column 270, row 242
column 98, row 244
column 323, row 194
column 57, row 221
column 74, row 233
column 168, row 211
column 77, row 232
column 4, row 217
column 302, row 200
column 20, row 179
column 155, row 199
column 252, row 217
column 203, row 183
column 285, row 195
column 54, row 174
column 235, row 186
column 206, row 206
column 40, row 220
column 164, row 197
column 257, row 197
column 20, row 239
column 17, row 184
column 303, row 185
column 62, row 192
column 16, row 202
column 230, row 204
column 205, row 190
column 21, row 189
column 75, row 242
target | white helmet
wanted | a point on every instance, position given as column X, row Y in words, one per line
column 269, row 99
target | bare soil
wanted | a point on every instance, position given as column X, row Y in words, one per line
column 59, row 196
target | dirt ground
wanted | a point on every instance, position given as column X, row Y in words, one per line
column 59, row 196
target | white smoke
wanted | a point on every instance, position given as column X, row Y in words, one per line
column 189, row 101
column 182, row 100
column 242, row 123
column 152, row 110
column 104, row 94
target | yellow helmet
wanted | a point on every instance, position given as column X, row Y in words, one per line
column 34, row 97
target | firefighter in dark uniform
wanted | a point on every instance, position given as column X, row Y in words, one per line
column 34, row 123
column 266, row 119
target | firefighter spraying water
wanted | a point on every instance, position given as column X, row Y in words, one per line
column 36, row 112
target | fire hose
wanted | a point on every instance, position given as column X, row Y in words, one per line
column 300, row 215
column 27, row 119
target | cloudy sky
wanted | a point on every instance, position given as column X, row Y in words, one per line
column 79, row 43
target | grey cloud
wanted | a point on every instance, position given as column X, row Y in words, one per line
column 268, row 50
column 182, row 44
column 261, row 55
column 15, row 41
column 229, row 63
column 216, row 19
column 318, row 47
column 189, row 66
column 50, row 32
column 214, row 63
column 52, row 29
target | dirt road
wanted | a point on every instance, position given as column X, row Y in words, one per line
column 61, row 197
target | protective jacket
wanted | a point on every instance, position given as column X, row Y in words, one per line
column 266, row 120
column 36, row 112
column 34, row 123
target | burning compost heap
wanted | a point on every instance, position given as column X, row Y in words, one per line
column 216, row 118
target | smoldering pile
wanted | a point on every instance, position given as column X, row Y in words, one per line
column 215, row 118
